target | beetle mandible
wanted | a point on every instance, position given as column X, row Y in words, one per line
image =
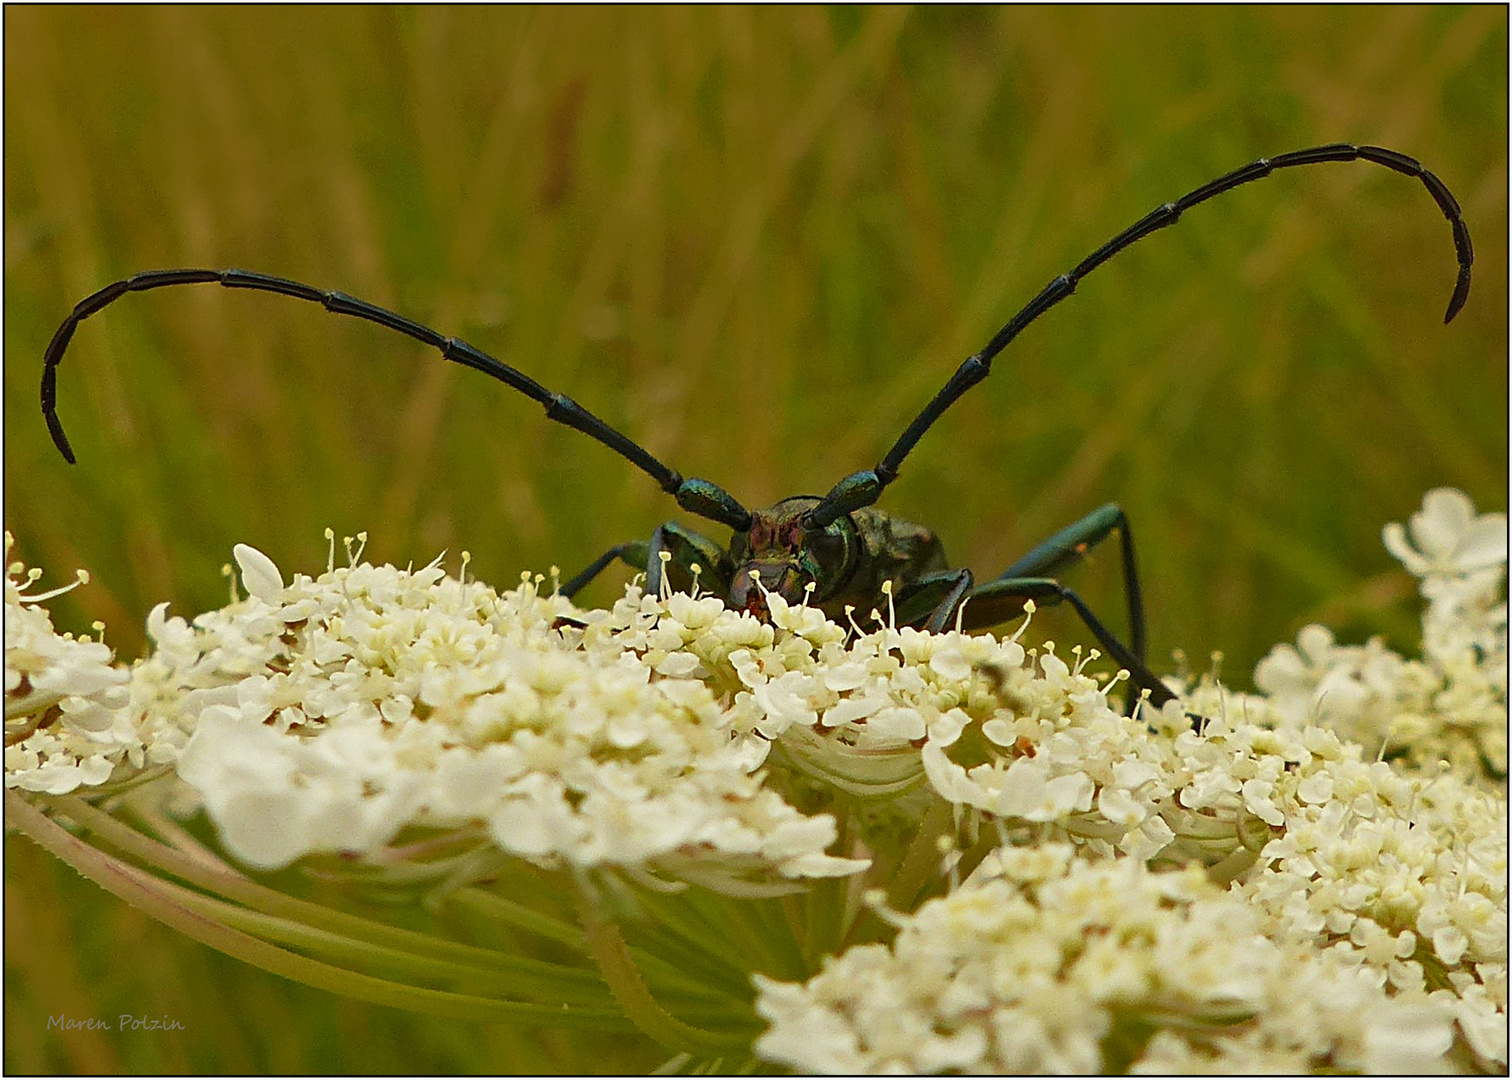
column 838, row 550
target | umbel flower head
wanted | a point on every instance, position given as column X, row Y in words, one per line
column 1451, row 705
column 1046, row 962
column 65, row 724
column 1005, row 872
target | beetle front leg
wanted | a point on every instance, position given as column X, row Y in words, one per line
column 686, row 550
column 632, row 554
column 933, row 599
column 1071, row 544
column 998, row 595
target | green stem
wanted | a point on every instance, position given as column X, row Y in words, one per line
column 672, row 980
column 922, row 862
column 737, row 921
column 680, row 936
column 222, row 880
column 512, row 976
column 778, row 929
column 630, row 990
column 821, row 919
column 501, row 909
column 143, row 892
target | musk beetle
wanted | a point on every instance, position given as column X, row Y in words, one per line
column 837, row 550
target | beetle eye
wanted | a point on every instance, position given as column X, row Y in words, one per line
column 827, row 547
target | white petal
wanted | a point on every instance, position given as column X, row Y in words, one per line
column 1449, row 509
column 1395, row 539
column 259, row 573
column 1483, row 543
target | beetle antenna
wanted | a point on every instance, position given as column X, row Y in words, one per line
column 864, row 488
column 701, row 497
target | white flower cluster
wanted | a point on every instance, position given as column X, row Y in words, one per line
column 990, row 727
column 1315, row 878
column 1450, row 705
column 850, row 709
column 64, row 722
column 1383, row 883
column 1398, row 880
column 331, row 713
column 1401, row 874
column 1043, row 962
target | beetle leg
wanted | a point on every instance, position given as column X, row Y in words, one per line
column 996, row 594
column 1072, row 543
column 932, row 599
column 632, row 554
column 687, row 549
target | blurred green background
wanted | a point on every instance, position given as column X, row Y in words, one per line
column 757, row 241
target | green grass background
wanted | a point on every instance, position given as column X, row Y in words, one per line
column 756, row 241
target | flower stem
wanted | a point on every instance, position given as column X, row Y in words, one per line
column 635, row 999
column 142, row 891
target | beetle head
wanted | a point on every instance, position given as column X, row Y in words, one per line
column 786, row 556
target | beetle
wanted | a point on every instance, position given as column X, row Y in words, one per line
column 839, row 550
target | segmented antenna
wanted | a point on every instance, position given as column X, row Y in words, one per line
column 701, row 497
column 864, row 488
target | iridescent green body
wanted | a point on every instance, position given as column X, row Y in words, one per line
column 868, row 560
column 838, row 566
column 846, row 562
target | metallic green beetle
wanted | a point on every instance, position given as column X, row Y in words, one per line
column 837, row 551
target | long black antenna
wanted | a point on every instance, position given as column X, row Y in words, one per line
column 863, row 488
column 701, row 497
